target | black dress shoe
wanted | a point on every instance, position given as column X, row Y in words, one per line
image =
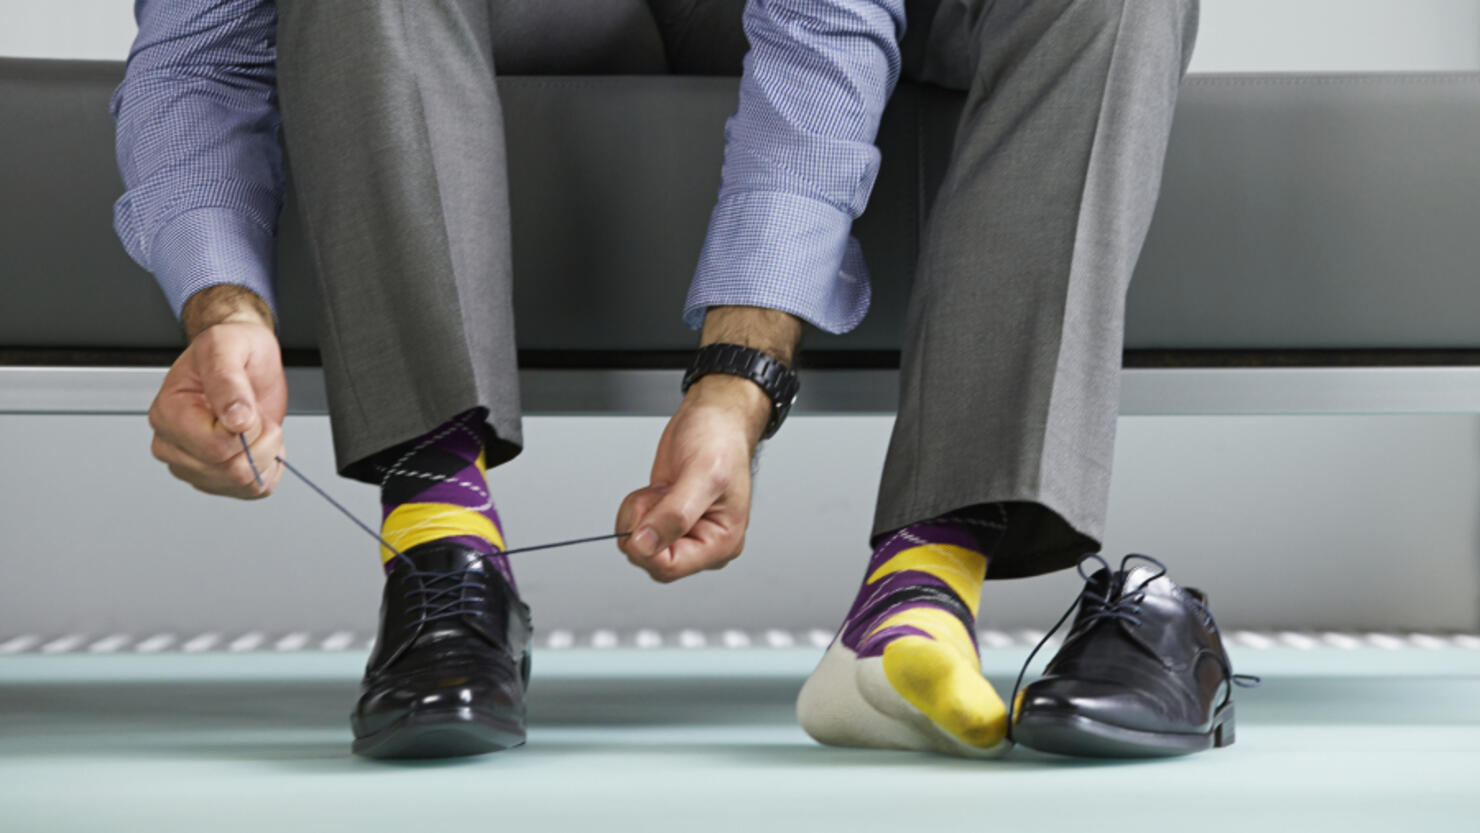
column 1142, row 673
column 451, row 663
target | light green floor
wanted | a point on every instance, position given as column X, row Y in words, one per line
column 705, row 740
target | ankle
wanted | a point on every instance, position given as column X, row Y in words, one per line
column 978, row 527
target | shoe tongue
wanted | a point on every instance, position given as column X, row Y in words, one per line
column 440, row 557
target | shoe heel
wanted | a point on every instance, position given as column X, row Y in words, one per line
column 1223, row 734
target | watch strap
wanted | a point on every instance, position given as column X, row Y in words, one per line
column 778, row 381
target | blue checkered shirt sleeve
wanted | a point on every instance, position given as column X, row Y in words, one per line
column 800, row 161
column 197, row 143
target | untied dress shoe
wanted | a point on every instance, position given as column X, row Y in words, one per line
column 451, row 664
column 1142, row 673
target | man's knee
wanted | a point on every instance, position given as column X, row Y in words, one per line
column 1113, row 13
column 354, row 32
column 325, row 18
column 339, row 31
column 1139, row 24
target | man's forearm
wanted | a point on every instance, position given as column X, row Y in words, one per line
column 770, row 331
column 816, row 82
column 221, row 303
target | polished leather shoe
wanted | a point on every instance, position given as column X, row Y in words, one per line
column 451, row 663
column 1142, row 673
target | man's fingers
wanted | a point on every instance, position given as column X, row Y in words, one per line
column 232, row 477
column 709, row 546
column 221, row 364
column 239, row 471
column 632, row 510
column 681, row 506
column 184, row 421
column 263, row 463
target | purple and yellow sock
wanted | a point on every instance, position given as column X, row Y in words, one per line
column 904, row 670
column 437, row 490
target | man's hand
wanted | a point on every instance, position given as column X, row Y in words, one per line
column 228, row 382
column 693, row 514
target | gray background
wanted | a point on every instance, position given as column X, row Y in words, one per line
column 1344, row 522
column 1341, row 521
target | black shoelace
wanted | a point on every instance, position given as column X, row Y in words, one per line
column 442, row 591
column 1117, row 604
column 444, row 594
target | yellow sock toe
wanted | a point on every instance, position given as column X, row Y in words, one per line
column 946, row 688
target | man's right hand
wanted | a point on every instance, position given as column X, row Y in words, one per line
column 228, row 383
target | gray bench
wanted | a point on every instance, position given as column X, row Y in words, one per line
column 1316, row 247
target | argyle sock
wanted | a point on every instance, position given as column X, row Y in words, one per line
column 904, row 671
column 436, row 489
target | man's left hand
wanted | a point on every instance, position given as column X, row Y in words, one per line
column 693, row 514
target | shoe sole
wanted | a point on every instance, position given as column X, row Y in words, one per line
column 451, row 733
column 1066, row 733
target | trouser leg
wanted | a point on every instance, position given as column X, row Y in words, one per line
column 395, row 140
column 1011, row 354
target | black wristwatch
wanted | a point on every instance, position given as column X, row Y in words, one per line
column 778, row 381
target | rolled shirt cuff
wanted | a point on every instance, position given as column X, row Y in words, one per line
column 781, row 251
column 208, row 246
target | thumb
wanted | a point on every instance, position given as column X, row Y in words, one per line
column 222, row 367
column 633, row 509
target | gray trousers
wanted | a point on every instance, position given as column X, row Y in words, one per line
column 1011, row 356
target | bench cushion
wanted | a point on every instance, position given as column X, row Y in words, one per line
column 1296, row 212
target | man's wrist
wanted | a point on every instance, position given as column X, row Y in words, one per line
column 773, row 332
column 738, row 395
column 223, row 303
column 776, row 333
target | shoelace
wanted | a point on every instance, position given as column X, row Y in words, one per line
column 434, row 586
column 1117, row 605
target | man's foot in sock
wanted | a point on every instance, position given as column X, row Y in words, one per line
column 436, row 489
column 903, row 671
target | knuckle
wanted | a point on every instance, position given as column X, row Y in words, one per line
column 691, row 510
column 682, row 520
column 667, row 518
